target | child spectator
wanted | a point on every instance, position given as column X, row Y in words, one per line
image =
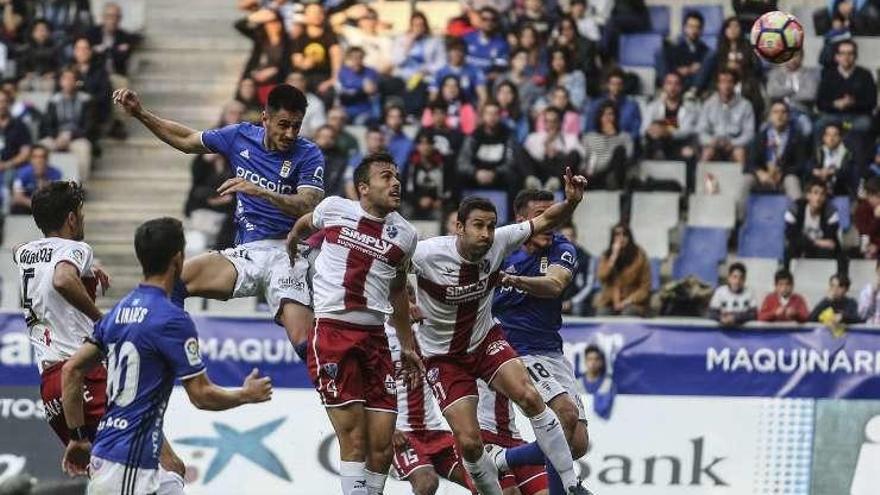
column 32, row 176
column 867, row 218
column 833, row 163
column 836, row 308
column 811, row 227
column 733, row 304
column 783, row 304
column 425, row 178
column 358, row 88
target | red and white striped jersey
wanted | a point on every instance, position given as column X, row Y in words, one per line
column 360, row 256
column 417, row 409
column 495, row 412
column 56, row 328
column 455, row 295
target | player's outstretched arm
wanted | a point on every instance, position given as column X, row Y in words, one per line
column 301, row 231
column 76, row 455
column 294, row 205
column 550, row 285
column 174, row 134
column 559, row 213
column 205, row 395
column 67, row 282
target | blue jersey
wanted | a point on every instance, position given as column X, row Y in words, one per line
column 485, row 53
column 282, row 172
column 149, row 343
column 532, row 324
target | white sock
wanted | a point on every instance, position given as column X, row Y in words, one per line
column 375, row 482
column 484, row 474
column 353, row 478
column 170, row 483
column 551, row 439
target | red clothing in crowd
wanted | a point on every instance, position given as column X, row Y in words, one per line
column 866, row 223
column 771, row 303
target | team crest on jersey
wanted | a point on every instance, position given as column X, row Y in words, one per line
column 496, row 347
column 391, row 231
column 78, row 255
column 510, row 269
column 330, row 369
column 567, row 257
column 390, row 385
column 285, row 169
column 432, row 375
column 191, row 349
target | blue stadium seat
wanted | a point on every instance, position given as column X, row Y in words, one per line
column 713, row 17
column 659, row 19
column 766, row 209
column 763, row 233
column 843, row 210
column 655, row 272
column 637, row 50
column 498, row 197
column 702, row 249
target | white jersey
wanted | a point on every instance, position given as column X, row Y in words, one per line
column 417, row 409
column 495, row 412
column 456, row 295
column 360, row 256
column 56, row 328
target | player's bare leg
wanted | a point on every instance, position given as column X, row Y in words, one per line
column 209, row 275
column 462, row 418
column 575, row 430
column 379, row 452
column 349, row 423
column 172, row 471
column 513, row 381
column 459, row 476
column 297, row 320
column 424, row 481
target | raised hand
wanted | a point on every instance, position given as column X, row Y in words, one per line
column 128, row 100
column 575, row 185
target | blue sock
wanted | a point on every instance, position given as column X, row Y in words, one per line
column 179, row 293
column 529, row 454
column 554, row 481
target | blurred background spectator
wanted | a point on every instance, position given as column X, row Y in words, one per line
column 71, row 121
column 624, row 275
column 812, row 227
column 867, row 219
column 869, row 300
column 733, row 303
column 727, row 121
column 836, row 308
column 30, row 177
column 608, row 150
column 576, row 298
column 783, row 304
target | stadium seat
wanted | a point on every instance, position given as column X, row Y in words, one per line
column 653, row 238
column 656, row 263
column 647, row 78
column 9, row 297
column 426, row 228
column 638, row 49
column 499, row 198
column 195, row 304
column 861, row 273
column 240, row 306
column 664, row 170
column 728, row 174
column 19, row 229
column 702, row 248
column 766, row 209
column 760, row 273
column 8, row 270
column 597, row 213
column 713, row 17
column 711, row 211
column 660, row 17
column 39, row 99
column 763, row 233
column 843, row 211
column 811, row 278
column 66, row 163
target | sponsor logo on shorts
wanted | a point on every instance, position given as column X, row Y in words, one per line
column 291, row 282
column 238, row 253
column 433, row 375
column 191, row 348
column 390, row 385
column 330, row 369
column 496, row 347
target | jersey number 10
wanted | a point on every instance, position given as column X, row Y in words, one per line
column 123, row 373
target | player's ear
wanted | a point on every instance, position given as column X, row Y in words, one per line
column 264, row 117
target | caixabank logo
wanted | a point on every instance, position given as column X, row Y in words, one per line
column 846, row 448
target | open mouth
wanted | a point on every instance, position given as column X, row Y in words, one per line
column 395, row 194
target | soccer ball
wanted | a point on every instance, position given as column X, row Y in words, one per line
column 777, row 36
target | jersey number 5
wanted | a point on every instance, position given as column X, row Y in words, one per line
column 26, row 302
column 124, row 367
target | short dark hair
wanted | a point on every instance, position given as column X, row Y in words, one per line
column 594, row 349
column 737, row 266
column 835, row 124
column 526, row 196
column 38, row 146
column 842, row 280
column 362, row 171
column 872, row 186
column 693, row 14
column 52, row 203
column 455, row 44
column 156, row 242
column 725, row 71
column 474, row 203
column 286, row 97
column 489, row 9
column 783, row 275
column 615, row 72
column 438, row 105
column 850, row 42
column 354, row 49
column 814, row 182
column 777, row 101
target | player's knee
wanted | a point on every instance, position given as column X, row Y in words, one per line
column 380, row 455
column 567, row 413
column 425, row 482
column 352, row 444
column 528, row 399
column 470, row 444
column 580, row 441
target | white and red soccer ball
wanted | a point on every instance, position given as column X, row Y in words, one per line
column 777, row 36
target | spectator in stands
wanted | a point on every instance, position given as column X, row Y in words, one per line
column 460, row 113
column 416, row 55
column 733, row 304
column 68, row 17
column 112, row 42
column 447, row 141
column 23, row 111
column 867, row 218
column 836, row 308
column 210, row 213
column 528, row 41
column 367, row 35
column 749, row 10
column 547, row 153
column 562, row 73
column 527, row 86
column 775, row 158
column 316, row 51
column 40, row 58
column 833, row 164
column 727, row 122
column 588, row 19
column 358, row 88
column 14, row 14
column 873, row 168
column 337, row 119
column 799, row 86
column 335, row 161
column 246, row 94
column 783, row 304
column 869, row 300
column 598, row 381
column 374, row 142
column 512, row 114
column 30, row 177
column 70, row 122
column 630, row 116
column 670, row 123
column 15, row 140
column 609, row 151
column 233, row 113
column 92, row 78
column 316, row 113
column 625, row 275
column 537, row 16
column 426, row 175
column 586, row 53
column 811, row 227
column 486, row 157
column 269, row 61
column 627, row 16
column 733, row 51
column 398, row 143
column 487, row 50
column 847, row 93
column 471, row 80
column 686, row 57
column 576, row 297
column 558, row 98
